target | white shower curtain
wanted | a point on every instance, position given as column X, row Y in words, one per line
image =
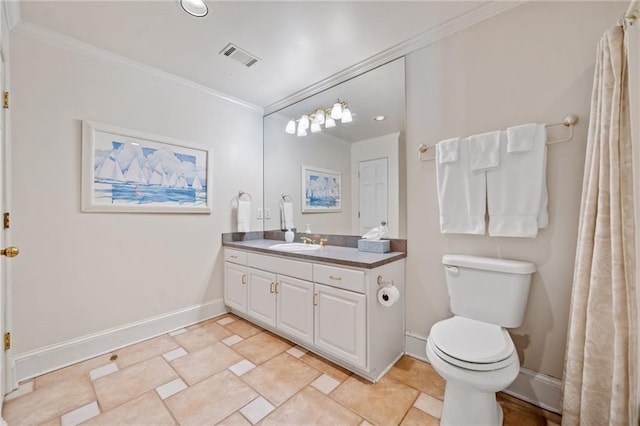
column 601, row 363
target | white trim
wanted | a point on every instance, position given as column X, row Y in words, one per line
column 43, row 360
column 431, row 36
column 535, row 388
column 56, row 39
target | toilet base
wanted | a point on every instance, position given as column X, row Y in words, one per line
column 465, row 406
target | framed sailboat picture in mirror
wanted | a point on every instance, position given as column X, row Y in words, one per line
column 130, row 171
column 321, row 190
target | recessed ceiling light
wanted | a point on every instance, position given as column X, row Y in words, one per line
column 379, row 117
column 195, row 7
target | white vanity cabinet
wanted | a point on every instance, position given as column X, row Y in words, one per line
column 329, row 309
column 235, row 280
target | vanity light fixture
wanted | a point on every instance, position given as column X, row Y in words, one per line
column 196, row 8
column 315, row 120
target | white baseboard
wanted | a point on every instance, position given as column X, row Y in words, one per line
column 49, row 358
column 535, row 388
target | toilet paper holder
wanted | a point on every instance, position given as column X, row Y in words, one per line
column 381, row 281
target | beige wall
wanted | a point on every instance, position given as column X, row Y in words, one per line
column 81, row 273
column 533, row 63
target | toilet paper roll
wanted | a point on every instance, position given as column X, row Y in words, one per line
column 388, row 295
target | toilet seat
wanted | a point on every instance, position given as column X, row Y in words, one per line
column 471, row 344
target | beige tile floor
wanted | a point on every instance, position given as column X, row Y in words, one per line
column 227, row 371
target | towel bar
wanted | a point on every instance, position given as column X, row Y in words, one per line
column 569, row 121
column 286, row 198
column 242, row 194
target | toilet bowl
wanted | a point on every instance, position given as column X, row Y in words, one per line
column 472, row 350
column 471, row 383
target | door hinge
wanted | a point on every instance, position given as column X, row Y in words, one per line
column 5, row 100
column 7, row 341
column 5, row 220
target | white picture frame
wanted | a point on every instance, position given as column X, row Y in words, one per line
column 130, row 171
column 321, row 190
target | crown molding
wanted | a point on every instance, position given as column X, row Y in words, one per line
column 426, row 38
column 56, row 39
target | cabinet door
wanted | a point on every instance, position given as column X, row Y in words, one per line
column 262, row 296
column 235, row 286
column 295, row 307
column 340, row 324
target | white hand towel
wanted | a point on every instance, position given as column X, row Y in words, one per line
column 485, row 150
column 516, row 191
column 287, row 215
column 461, row 192
column 244, row 215
column 447, row 150
column 520, row 138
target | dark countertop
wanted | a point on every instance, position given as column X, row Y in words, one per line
column 347, row 256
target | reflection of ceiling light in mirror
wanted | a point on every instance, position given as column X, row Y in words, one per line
column 319, row 117
column 330, row 122
column 336, row 111
column 304, row 122
column 291, row 127
column 379, row 117
column 196, row 8
column 346, row 115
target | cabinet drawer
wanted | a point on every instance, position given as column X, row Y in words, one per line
column 348, row 279
column 235, row 256
column 292, row 268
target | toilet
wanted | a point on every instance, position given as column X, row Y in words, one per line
column 472, row 350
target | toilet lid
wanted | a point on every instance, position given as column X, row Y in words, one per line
column 472, row 341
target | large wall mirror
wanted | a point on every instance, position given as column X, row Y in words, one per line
column 346, row 178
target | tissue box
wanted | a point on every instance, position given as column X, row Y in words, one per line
column 374, row 246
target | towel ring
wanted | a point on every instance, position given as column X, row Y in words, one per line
column 242, row 194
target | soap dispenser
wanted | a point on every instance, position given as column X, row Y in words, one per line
column 289, row 235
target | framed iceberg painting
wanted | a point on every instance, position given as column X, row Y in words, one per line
column 321, row 190
column 130, row 171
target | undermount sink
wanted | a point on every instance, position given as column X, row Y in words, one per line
column 295, row 247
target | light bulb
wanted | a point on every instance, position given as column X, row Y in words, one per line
column 346, row 115
column 304, row 122
column 329, row 122
column 291, row 127
column 195, row 7
column 320, row 116
column 315, row 127
column 336, row 111
column 301, row 131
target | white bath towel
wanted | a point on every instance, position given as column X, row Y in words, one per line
column 286, row 215
column 516, row 191
column 484, row 150
column 244, row 215
column 461, row 191
column 447, row 150
column 520, row 138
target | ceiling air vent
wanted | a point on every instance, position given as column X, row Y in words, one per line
column 242, row 56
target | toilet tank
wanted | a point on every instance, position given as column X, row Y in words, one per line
column 488, row 289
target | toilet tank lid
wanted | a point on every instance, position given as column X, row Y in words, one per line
column 489, row 263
